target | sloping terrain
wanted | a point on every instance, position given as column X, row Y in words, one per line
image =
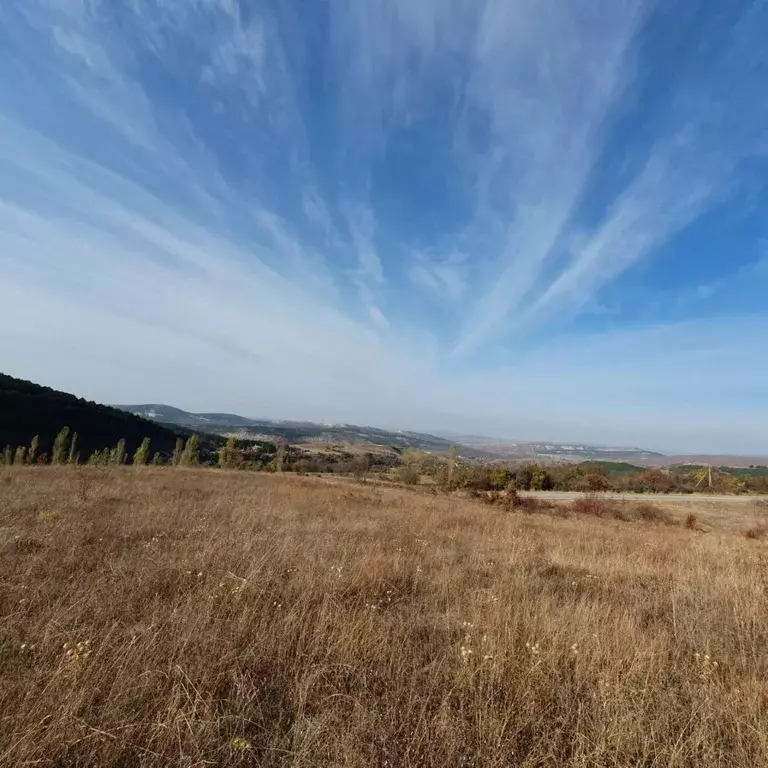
column 294, row 431
column 556, row 453
column 28, row 409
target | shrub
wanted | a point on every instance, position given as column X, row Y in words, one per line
column 756, row 532
column 529, row 504
column 651, row 513
column 477, row 478
column 409, row 475
column 691, row 521
column 593, row 505
column 501, row 477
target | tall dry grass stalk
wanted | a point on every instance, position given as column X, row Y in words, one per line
column 193, row 618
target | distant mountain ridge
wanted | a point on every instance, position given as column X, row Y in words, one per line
column 470, row 446
column 558, row 452
column 28, row 409
column 292, row 431
column 167, row 414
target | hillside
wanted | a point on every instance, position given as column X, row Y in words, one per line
column 731, row 461
column 346, row 434
column 28, row 409
column 295, row 431
column 556, row 453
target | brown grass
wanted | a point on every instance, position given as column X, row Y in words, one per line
column 593, row 505
column 191, row 618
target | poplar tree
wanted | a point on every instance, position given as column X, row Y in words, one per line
column 33, row 448
column 228, row 454
column 141, row 457
column 60, row 446
column 177, row 452
column 74, row 456
column 191, row 455
column 20, row 456
column 120, row 452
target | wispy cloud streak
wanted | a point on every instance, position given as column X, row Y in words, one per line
column 365, row 210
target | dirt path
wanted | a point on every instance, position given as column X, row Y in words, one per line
column 683, row 498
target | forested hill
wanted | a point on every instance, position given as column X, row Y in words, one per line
column 28, row 409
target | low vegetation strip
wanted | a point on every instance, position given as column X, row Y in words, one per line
column 408, row 466
column 161, row 617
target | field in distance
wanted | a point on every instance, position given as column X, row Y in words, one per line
column 158, row 616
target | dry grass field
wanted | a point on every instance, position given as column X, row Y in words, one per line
column 195, row 618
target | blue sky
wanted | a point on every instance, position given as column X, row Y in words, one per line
column 524, row 218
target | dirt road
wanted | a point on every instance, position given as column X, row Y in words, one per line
column 682, row 498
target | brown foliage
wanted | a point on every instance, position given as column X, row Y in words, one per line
column 196, row 618
column 606, row 507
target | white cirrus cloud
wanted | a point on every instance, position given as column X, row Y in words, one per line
column 392, row 212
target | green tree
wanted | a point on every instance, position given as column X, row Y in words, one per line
column 8, row 456
column 33, row 448
column 20, row 457
column 119, row 456
column 177, row 452
column 74, row 456
column 141, row 457
column 524, row 477
column 541, row 480
column 156, row 459
column 191, row 455
column 228, row 454
column 500, row 478
column 532, row 477
column 60, row 445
